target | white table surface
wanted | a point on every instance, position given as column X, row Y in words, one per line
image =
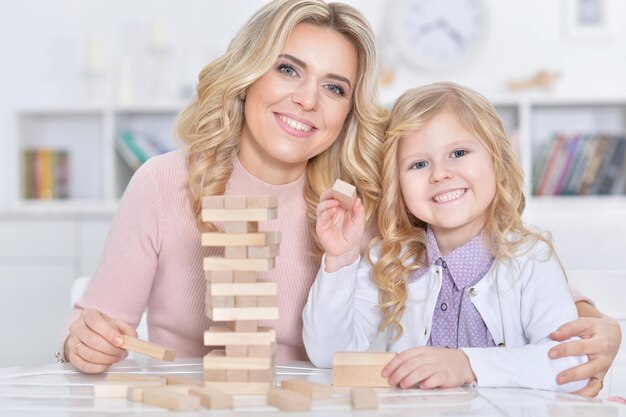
column 59, row 390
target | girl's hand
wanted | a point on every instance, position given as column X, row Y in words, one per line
column 429, row 367
column 600, row 341
column 340, row 231
column 92, row 345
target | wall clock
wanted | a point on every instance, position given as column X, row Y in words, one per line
column 437, row 34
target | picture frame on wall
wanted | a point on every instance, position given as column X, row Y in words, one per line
column 588, row 19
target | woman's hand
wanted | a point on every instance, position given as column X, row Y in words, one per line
column 340, row 231
column 600, row 341
column 92, row 344
column 429, row 367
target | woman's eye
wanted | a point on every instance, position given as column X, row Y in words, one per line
column 334, row 88
column 419, row 165
column 287, row 69
column 460, row 153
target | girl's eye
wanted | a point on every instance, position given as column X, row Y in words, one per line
column 288, row 70
column 337, row 89
column 419, row 165
column 459, row 153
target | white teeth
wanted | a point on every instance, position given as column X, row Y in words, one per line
column 294, row 124
column 452, row 195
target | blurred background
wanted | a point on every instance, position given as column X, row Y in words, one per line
column 89, row 89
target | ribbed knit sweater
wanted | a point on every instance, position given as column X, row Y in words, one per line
column 153, row 258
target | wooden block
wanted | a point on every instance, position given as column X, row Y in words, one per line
column 147, row 348
column 222, row 336
column 267, row 301
column 243, row 314
column 262, row 201
column 345, row 193
column 236, row 351
column 214, row 375
column 237, row 375
column 240, row 264
column 183, row 380
column 360, row 369
column 288, row 400
column 270, row 251
column 238, row 215
column 171, row 400
column 240, row 387
column 252, row 288
column 245, row 301
column 261, row 375
column 261, row 351
column 244, row 276
column 235, row 201
column 213, row 398
column 312, row 390
column 241, row 227
column 119, row 389
column 212, row 301
column 135, row 394
column 217, row 239
column 235, row 252
column 111, row 377
column 216, row 359
column 243, row 326
column 364, row 398
column 219, row 277
column 213, row 202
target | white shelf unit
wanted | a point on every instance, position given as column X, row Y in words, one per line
column 98, row 175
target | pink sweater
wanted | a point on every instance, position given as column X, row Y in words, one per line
column 153, row 258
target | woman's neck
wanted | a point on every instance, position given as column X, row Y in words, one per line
column 268, row 169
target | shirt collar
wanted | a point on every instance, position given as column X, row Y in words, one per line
column 467, row 263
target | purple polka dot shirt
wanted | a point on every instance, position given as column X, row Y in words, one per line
column 456, row 322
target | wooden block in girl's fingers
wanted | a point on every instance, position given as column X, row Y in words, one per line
column 345, row 193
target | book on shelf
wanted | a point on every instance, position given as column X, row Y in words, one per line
column 591, row 164
column 45, row 174
column 135, row 148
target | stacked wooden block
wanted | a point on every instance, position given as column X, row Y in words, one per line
column 233, row 294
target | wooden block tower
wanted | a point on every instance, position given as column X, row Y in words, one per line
column 233, row 294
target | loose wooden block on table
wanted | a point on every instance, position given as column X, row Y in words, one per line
column 171, row 400
column 147, row 348
column 213, row 398
column 364, row 398
column 288, row 400
column 119, row 389
column 313, row 390
column 360, row 369
column 135, row 394
column 345, row 193
column 183, row 380
column 123, row 377
column 240, row 387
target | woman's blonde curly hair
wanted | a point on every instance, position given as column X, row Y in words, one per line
column 211, row 124
column 403, row 236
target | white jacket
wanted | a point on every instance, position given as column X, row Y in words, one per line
column 521, row 301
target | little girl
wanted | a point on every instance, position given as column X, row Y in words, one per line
column 458, row 285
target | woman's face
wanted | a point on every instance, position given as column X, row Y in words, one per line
column 296, row 110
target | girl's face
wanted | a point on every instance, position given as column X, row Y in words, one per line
column 297, row 109
column 447, row 179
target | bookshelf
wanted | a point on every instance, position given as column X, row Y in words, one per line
column 97, row 169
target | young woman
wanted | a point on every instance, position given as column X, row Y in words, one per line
column 290, row 107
